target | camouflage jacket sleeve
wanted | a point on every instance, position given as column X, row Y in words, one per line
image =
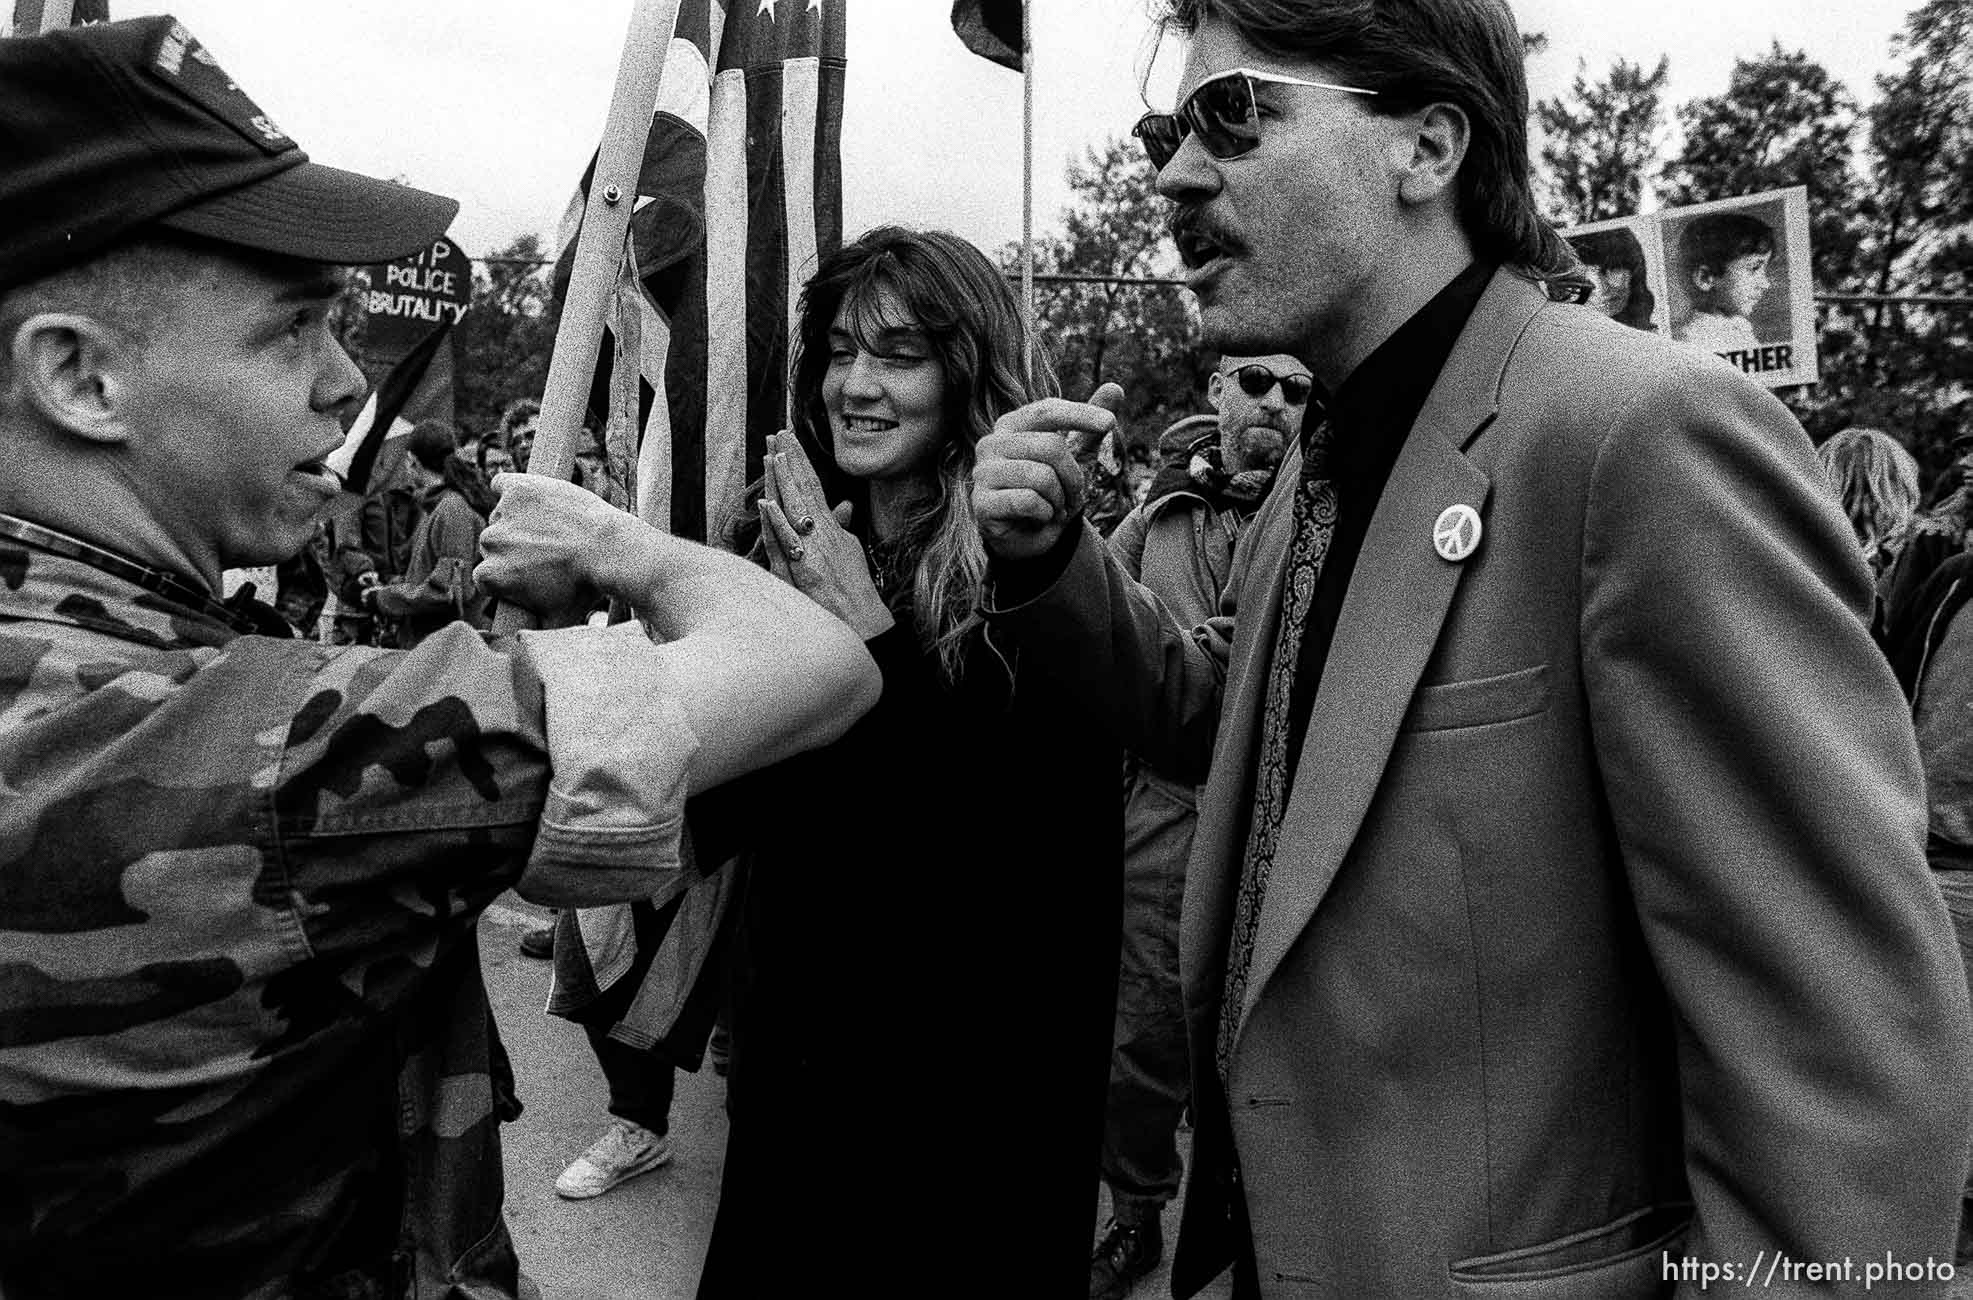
column 406, row 788
column 614, row 820
column 240, row 1008
column 238, row 885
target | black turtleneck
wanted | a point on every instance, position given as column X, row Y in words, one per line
column 1370, row 417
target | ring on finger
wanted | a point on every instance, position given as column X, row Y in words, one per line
column 805, row 525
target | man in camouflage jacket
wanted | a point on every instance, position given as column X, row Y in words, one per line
column 244, row 1045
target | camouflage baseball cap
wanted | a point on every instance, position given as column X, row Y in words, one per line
column 115, row 126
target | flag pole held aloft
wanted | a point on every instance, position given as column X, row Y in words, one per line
column 1002, row 31
column 1027, row 188
column 599, row 247
column 599, row 252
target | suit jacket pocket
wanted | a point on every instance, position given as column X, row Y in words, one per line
column 1446, row 706
column 1621, row 1260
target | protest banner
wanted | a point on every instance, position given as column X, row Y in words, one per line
column 404, row 300
column 1731, row 277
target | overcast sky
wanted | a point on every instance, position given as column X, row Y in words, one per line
column 499, row 102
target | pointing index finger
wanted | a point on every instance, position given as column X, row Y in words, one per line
column 1108, row 397
column 1081, row 424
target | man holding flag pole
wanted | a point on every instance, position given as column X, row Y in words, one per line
column 244, row 1043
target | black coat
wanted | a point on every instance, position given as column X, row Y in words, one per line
column 924, row 1001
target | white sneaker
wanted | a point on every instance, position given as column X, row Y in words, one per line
column 625, row 1151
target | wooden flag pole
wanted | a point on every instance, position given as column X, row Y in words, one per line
column 599, row 250
column 599, row 245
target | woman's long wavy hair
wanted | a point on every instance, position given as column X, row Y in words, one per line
column 1876, row 479
column 991, row 364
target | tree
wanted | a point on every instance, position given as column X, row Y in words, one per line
column 1600, row 143
column 1915, row 368
column 1144, row 337
column 504, row 341
column 1784, row 120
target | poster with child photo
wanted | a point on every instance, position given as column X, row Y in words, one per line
column 1738, row 273
column 1731, row 277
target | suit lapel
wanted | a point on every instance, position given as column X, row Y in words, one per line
column 1206, row 916
column 1389, row 625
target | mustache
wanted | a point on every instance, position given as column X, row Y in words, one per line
column 1193, row 222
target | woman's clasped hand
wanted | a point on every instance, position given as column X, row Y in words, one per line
column 809, row 546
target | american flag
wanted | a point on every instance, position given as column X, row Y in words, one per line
column 740, row 192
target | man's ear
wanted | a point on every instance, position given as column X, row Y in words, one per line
column 1215, row 386
column 1438, row 141
column 71, row 370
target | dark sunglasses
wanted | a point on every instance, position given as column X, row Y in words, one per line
column 1221, row 111
column 1256, row 380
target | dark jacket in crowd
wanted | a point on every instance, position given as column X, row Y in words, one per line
column 437, row 585
column 380, row 541
column 922, row 1020
column 1919, row 621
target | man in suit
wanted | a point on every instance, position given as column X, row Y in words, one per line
column 1558, row 922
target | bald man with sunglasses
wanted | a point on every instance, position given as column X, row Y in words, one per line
column 1179, row 544
column 1558, row 922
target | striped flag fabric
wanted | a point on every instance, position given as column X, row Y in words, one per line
column 32, row 17
column 418, row 387
column 739, row 193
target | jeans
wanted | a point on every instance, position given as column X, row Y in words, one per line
column 641, row 1081
column 1150, row 1079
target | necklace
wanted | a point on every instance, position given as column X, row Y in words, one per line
column 886, row 564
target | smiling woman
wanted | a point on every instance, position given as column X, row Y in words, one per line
column 909, row 346
column 934, row 894
column 884, row 394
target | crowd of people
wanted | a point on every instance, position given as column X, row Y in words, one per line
column 394, row 562
column 1473, row 783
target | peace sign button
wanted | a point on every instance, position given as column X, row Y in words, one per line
column 1456, row 535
